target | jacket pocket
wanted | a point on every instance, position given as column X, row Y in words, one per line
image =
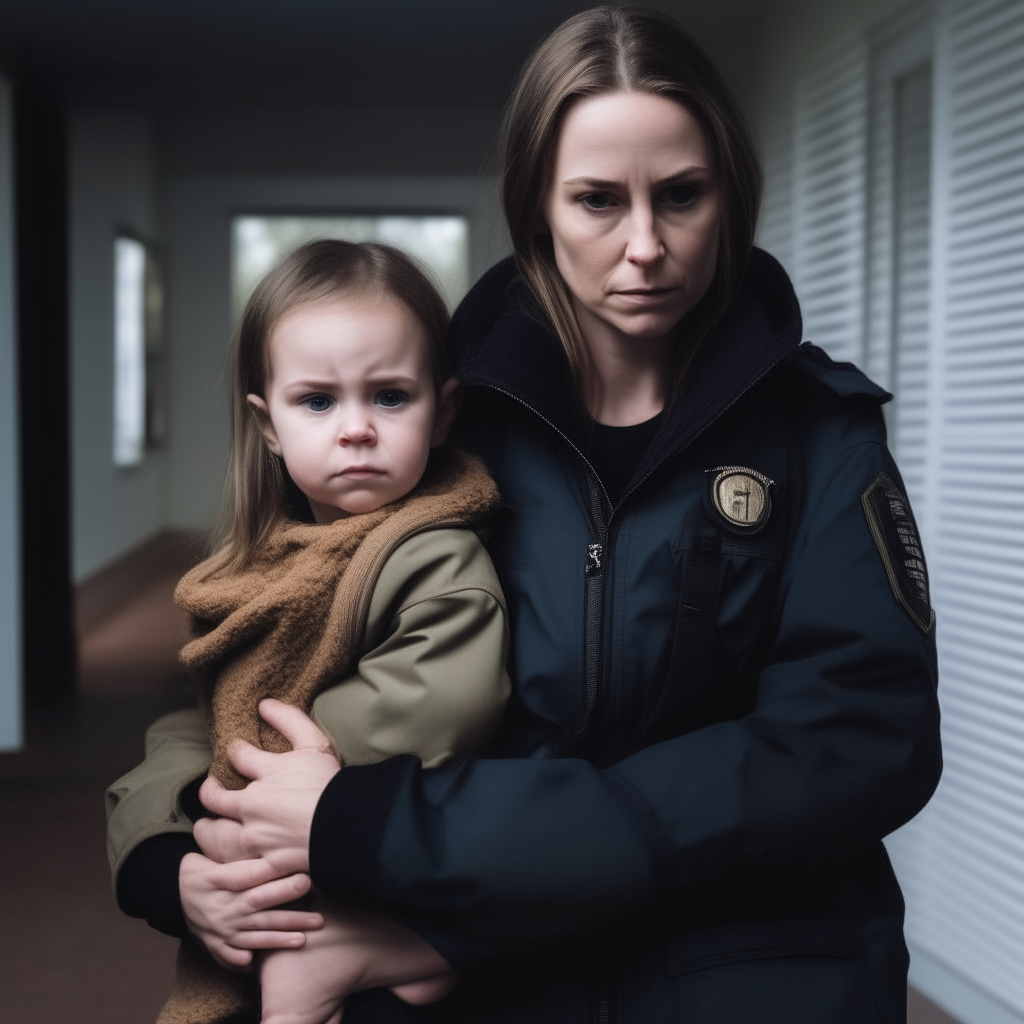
column 774, row 972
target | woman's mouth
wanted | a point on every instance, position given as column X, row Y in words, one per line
column 645, row 296
column 361, row 472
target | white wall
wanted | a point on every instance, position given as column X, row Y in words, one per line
column 112, row 185
column 198, row 213
column 10, row 490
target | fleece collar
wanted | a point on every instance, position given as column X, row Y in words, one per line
column 500, row 342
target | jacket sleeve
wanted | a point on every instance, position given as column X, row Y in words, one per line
column 146, row 801
column 840, row 749
column 433, row 682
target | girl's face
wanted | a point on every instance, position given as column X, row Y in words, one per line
column 633, row 212
column 351, row 405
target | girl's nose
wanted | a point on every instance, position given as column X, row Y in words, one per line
column 356, row 428
column 644, row 245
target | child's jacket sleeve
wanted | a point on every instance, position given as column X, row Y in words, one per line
column 433, row 683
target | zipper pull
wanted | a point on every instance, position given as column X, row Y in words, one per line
column 593, row 559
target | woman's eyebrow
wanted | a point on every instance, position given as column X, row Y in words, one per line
column 686, row 172
column 599, row 183
column 592, row 182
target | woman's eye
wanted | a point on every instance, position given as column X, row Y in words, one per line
column 317, row 403
column 391, row 399
column 682, row 195
column 597, row 200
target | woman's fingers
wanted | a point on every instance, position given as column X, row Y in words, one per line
column 250, row 761
column 218, row 800
column 220, row 839
column 294, row 725
column 335, row 1017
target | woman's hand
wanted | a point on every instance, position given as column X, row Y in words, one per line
column 228, row 907
column 274, row 813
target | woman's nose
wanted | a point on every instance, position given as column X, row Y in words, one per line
column 644, row 245
column 356, row 428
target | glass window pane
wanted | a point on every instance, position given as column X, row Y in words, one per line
column 129, row 351
column 438, row 243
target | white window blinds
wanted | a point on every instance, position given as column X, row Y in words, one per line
column 968, row 906
column 829, row 190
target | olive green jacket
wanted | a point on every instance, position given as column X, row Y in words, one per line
column 432, row 682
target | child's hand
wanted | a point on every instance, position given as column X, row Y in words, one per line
column 308, row 985
column 354, row 950
column 228, row 907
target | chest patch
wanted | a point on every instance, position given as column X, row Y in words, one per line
column 899, row 544
column 741, row 498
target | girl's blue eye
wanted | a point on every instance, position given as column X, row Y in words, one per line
column 317, row 403
column 391, row 399
column 597, row 200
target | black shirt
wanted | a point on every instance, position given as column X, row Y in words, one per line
column 615, row 453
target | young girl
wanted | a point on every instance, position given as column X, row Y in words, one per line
column 347, row 583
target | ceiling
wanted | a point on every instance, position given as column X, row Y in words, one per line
column 413, row 52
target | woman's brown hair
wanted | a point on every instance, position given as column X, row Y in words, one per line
column 257, row 489
column 631, row 49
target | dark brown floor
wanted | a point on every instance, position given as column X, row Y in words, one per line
column 66, row 953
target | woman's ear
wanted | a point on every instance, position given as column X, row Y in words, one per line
column 266, row 423
column 449, row 401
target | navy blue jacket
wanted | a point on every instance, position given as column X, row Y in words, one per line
column 712, row 728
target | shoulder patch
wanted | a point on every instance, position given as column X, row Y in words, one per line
column 894, row 531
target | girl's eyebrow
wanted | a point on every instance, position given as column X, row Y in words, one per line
column 310, row 385
column 328, row 384
column 392, row 378
column 600, row 183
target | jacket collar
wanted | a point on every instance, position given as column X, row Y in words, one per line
column 500, row 342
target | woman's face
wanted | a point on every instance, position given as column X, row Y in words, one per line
column 633, row 210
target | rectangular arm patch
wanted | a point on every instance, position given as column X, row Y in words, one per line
column 894, row 530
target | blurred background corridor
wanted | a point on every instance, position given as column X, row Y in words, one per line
column 155, row 158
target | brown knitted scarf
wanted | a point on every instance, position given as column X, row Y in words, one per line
column 289, row 625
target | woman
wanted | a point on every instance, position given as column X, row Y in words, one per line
column 723, row 653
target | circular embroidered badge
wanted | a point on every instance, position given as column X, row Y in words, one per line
column 741, row 496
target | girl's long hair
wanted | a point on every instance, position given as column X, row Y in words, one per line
column 258, row 489
column 633, row 49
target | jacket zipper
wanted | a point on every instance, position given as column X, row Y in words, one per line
column 593, row 570
column 594, row 559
